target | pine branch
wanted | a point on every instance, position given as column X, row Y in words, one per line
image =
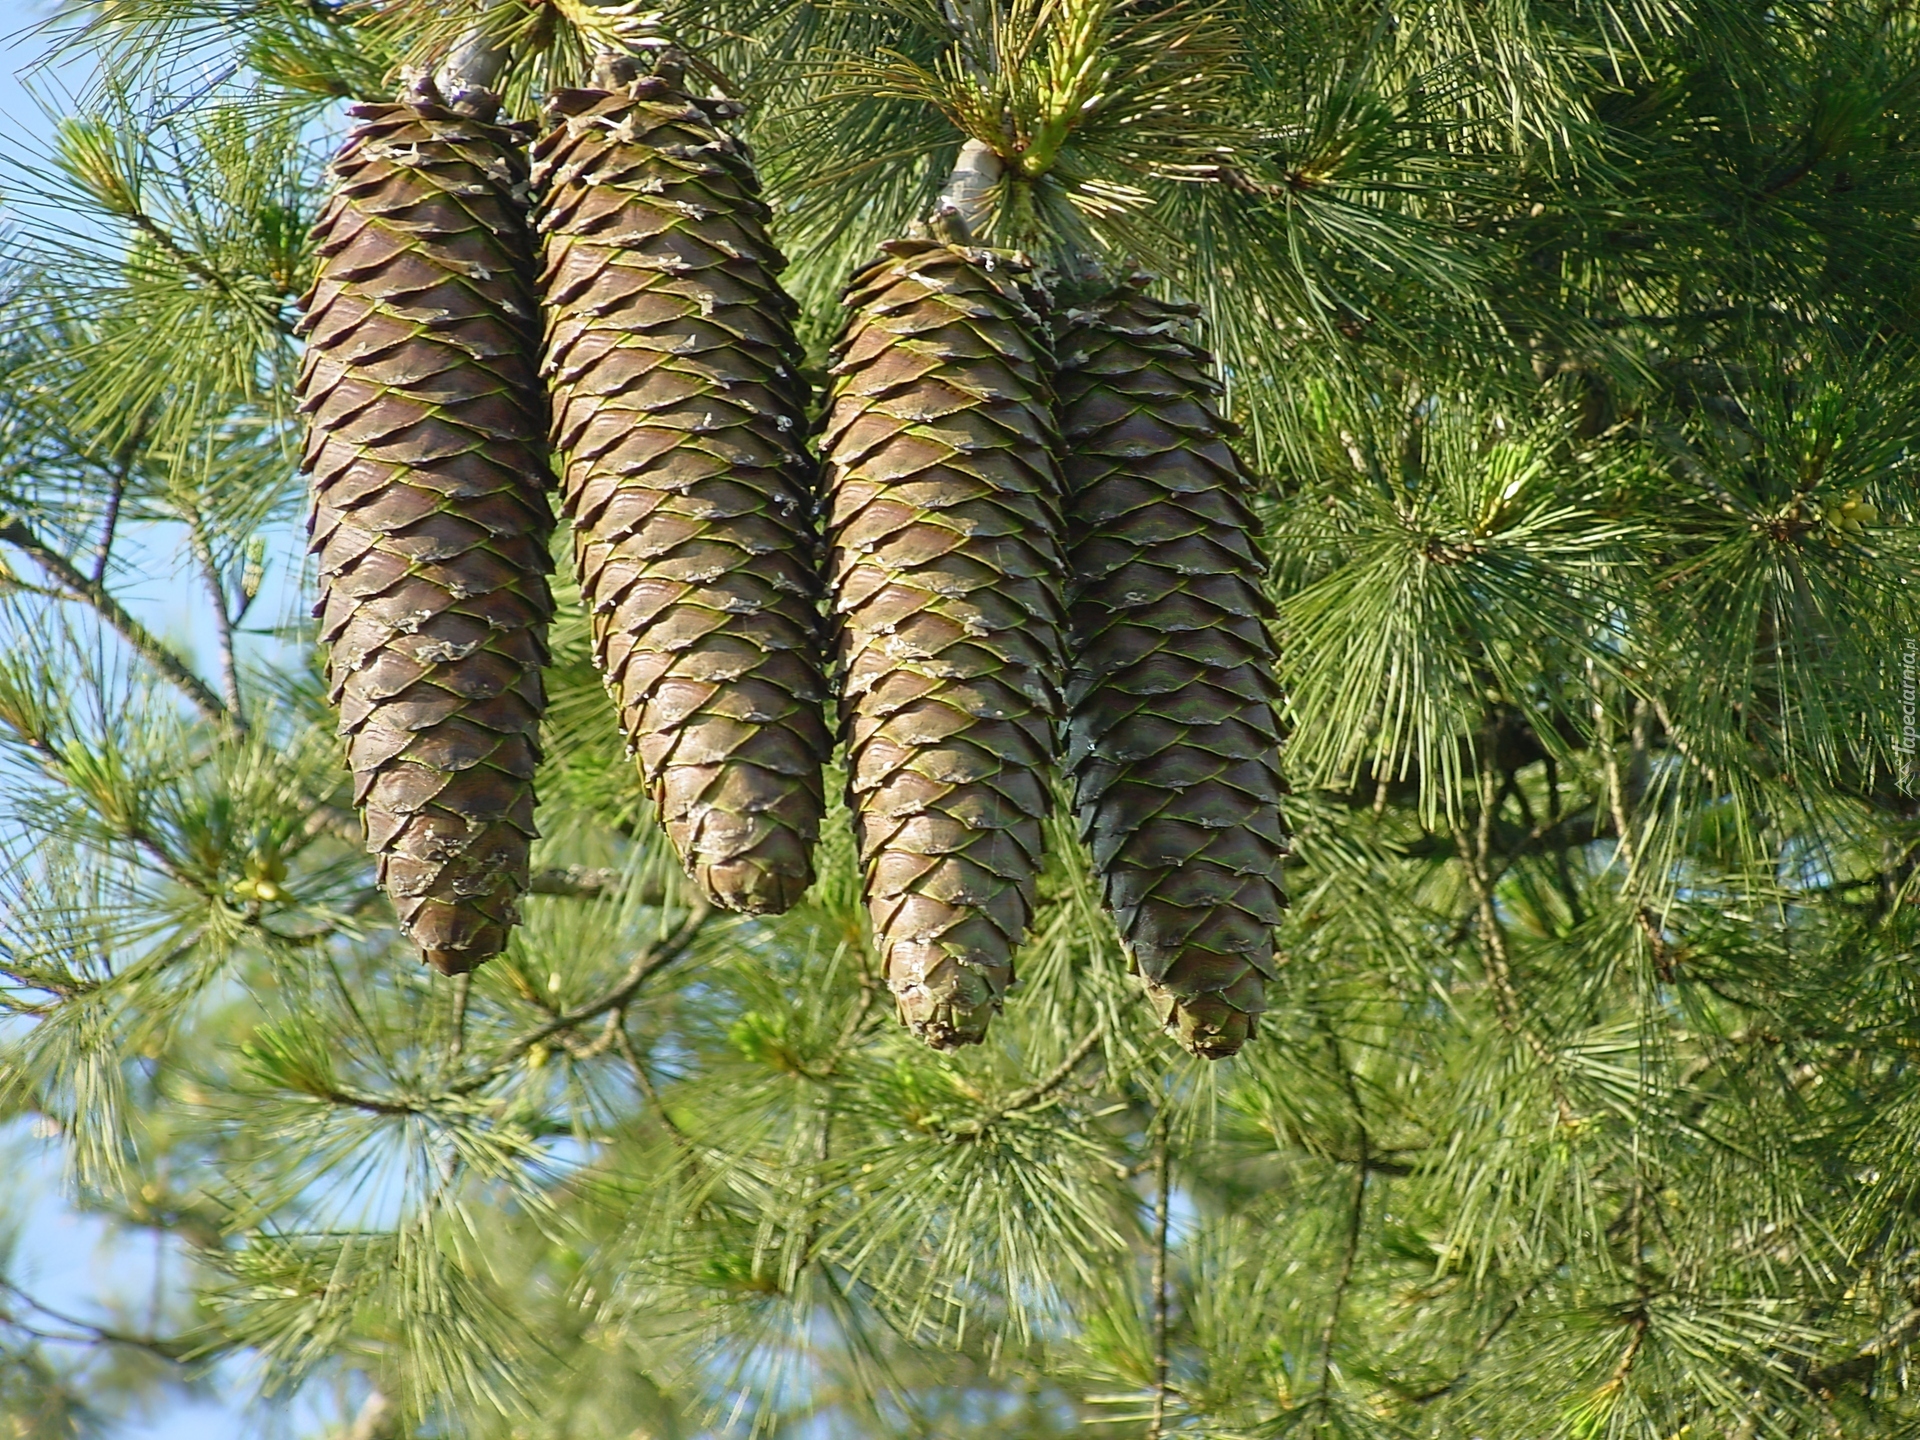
column 1033, row 1095
column 644, row 966
column 968, row 190
column 83, row 1332
column 467, row 76
column 138, row 638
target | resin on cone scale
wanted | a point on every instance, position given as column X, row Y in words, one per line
column 679, row 427
column 1173, row 739
column 426, row 443
column 946, row 573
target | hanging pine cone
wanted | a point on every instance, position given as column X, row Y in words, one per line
column 426, row 443
column 946, row 570
column 1173, row 741
column 679, row 417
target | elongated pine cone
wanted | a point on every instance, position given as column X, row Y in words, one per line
column 946, row 572
column 426, row 441
column 1173, row 740
column 679, row 420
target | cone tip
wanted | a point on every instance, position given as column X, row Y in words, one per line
column 456, row 962
column 1209, row 1025
column 750, row 888
column 953, row 1011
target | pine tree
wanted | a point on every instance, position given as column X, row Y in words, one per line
column 1571, row 351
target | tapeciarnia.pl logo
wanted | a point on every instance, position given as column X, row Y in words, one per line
column 1908, row 745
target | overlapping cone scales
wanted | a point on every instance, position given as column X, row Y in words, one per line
column 426, row 443
column 946, row 577
column 678, row 420
column 1173, row 742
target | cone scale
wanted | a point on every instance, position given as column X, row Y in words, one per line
column 678, row 426
column 426, row 448
column 1173, row 741
column 946, row 572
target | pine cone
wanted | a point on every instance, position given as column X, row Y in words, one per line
column 679, row 414
column 946, row 570
column 1173, row 741
column 426, row 443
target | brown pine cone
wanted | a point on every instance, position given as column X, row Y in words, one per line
column 1173, row 740
column 679, row 417
column 426, row 442
column 946, row 571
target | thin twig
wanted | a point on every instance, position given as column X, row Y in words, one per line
column 1639, row 1322
column 1474, row 854
column 194, row 265
column 577, row 882
column 1616, row 789
column 141, row 640
column 600, row 1044
column 623, row 1042
column 1493, row 945
column 1162, row 1213
column 53, row 763
column 1867, row 1356
column 1480, row 1348
column 869, row 989
column 1026, row 1099
column 116, row 493
column 462, row 987
column 977, row 1125
column 645, row 966
column 84, row 1332
column 1356, row 1216
column 222, row 622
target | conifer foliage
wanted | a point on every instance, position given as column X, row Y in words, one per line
column 1559, row 496
column 430, row 515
